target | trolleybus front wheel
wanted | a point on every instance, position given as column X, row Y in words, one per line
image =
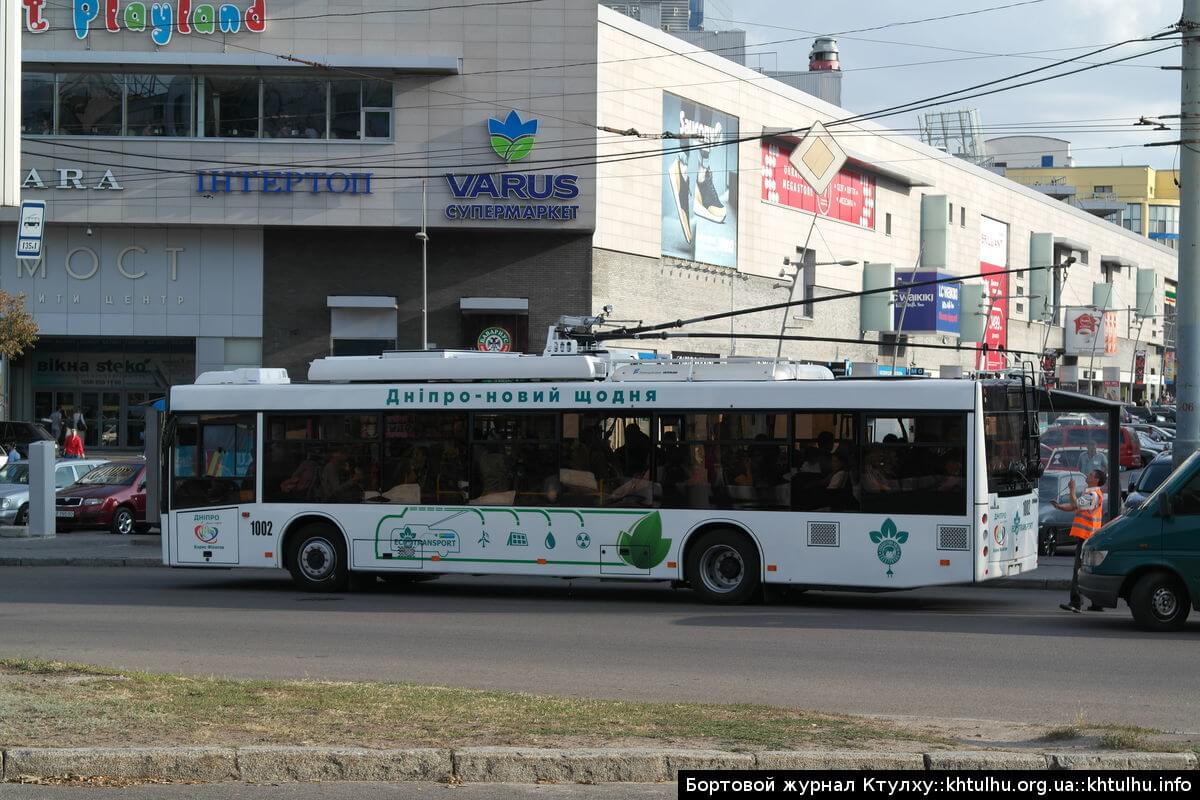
column 317, row 559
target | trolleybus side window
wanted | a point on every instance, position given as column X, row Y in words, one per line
column 326, row 458
column 824, row 471
column 425, row 457
column 914, row 464
column 606, row 461
column 514, row 459
column 724, row 460
column 214, row 461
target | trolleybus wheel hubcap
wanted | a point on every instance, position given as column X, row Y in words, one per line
column 1165, row 603
column 317, row 559
column 721, row 568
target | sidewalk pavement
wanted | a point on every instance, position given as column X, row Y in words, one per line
column 82, row 549
column 95, row 549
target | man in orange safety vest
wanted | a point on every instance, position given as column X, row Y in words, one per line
column 1089, row 516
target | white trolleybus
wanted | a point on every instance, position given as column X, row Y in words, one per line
column 722, row 476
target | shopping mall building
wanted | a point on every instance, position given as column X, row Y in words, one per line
column 242, row 183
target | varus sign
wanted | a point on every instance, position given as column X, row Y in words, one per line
column 162, row 19
column 518, row 197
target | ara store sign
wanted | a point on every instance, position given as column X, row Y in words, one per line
column 512, row 195
column 162, row 20
column 932, row 309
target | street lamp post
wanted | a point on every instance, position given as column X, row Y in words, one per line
column 808, row 259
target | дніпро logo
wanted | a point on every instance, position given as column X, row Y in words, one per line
column 206, row 533
column 512, row 139
column 889, row 540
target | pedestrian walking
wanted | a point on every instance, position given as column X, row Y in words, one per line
column 72, row 445
column 1089, row 515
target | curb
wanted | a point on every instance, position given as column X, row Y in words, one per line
column 15, row 561
column 282, row 764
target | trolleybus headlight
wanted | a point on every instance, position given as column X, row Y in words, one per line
column 1093, row 558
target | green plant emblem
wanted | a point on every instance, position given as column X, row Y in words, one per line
column 643, row 546
column 889, row 540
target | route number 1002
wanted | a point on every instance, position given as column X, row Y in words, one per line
column 260, row 528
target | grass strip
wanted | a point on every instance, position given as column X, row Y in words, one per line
column 58, row 704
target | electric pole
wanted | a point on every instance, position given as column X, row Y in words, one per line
column 1187, row 334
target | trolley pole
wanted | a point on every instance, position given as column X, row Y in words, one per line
column 1188, row 314
column 424, row 237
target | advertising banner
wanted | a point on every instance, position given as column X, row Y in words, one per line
column 1050, row 368
column 1089, row 331
column 993, row 258
column 1139, row 367
column 849, row 198
column 931, row 309
column 700, row 179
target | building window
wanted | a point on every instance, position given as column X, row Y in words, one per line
column 158, row 105
column 90, row 104
column 1102, row 189
column 962, row 217
column 37, row 104
column 220, row 107
column 1132, row 218
column 361, row 106
column 887, row 224
column 295, row 108
column 231, row 107
column 950, row 206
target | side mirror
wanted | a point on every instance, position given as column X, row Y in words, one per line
column 1133, row 505
column 142, row 486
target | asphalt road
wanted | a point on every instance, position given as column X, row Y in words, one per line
column 969, row 652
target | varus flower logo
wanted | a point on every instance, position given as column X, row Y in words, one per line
column 889, row 540
column 512, row 139
column 1086, row 324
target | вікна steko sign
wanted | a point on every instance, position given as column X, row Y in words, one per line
column 519, row 197
column 161, row 19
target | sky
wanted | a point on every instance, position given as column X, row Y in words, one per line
column 1125, row 91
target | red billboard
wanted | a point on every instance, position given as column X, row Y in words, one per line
column 993, row 263
column 849, row 198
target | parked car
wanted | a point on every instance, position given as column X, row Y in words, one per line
column 1076, row 419
column 1155, row 432
column 1079, row 435
column 1148, row 556
column 1166, row 412
column 111, row 496
column 14, row 486
column 23, row 434
column 1151, row 448
column 1054, row 525
column 1139, row 413
column 1150, row 479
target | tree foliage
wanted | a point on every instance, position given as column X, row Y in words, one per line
column 18, row 331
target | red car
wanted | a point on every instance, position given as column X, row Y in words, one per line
column 1079, row 435
column 111, row 496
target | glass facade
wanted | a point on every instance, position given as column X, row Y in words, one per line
column 1132, row 219
column 1164, row 225
column 216, row 106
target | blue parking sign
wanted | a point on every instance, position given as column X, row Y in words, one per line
column 31, row 228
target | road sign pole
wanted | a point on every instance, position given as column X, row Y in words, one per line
column 1187, row 339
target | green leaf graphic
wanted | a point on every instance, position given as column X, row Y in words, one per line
column 520, row 149
column 644, row 547
column 876, row 537
column 501, row 145
column 888, row 529
column 902, row 537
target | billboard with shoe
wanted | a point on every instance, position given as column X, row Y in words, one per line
column 700, row 180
